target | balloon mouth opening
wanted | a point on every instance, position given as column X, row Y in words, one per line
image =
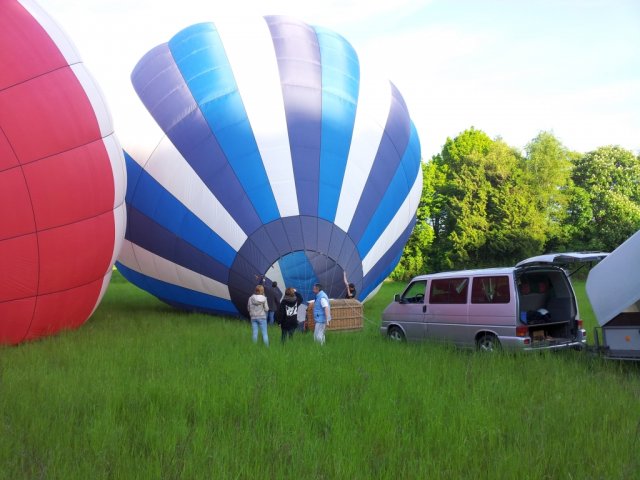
column 302, row 269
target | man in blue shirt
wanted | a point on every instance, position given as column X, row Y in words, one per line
column 321, row 313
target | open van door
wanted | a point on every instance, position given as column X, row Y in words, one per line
column 577, row 260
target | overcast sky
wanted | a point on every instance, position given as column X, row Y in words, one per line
column 509, row 68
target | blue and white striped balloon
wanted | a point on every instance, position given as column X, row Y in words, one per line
column 281, row 158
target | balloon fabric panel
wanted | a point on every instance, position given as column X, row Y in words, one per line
column 22, row 62
column 340, row 85
column 298, row 56
column 18, row 257
column 15, row 205
column 393, row 145
column 191, row 134
column 394, row 195
column 172, row 221
column 208, row 76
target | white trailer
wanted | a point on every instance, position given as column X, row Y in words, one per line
column 613, row 287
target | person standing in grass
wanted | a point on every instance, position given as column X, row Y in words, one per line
column 287, row 314
column 321, row 313
column 302, row 310
column 274, row 295
column 258, row 308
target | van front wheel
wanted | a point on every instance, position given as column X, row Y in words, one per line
column 396, row 334
column 488, row 343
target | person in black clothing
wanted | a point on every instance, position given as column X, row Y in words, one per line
column 273, row 294
column 351, row 288
column 287, row 314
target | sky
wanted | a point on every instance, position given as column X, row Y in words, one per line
column 509, row 68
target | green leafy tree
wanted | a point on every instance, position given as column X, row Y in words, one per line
column 486, row 212
column 517, row 224
column 460, row 220
column 610, row 178
column 547, row 168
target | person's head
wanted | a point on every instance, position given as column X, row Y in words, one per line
column 317, row 287
column 259, row 290
column 352, row 287
column 290, row 292
column 274, row 284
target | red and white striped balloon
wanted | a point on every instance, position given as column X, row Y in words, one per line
column 62, row 180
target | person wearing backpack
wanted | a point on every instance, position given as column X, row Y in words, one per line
column 287, row 313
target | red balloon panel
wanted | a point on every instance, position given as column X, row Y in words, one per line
column 7, row 157
column 13, row 327
column 85, row 175
column 47, row 115
column 19, row 260
column 72, row 254
column 22, row 61
column 63, row 310
column 15, row 205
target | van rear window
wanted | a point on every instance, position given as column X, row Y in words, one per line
column 490, row 289
column 449, row 290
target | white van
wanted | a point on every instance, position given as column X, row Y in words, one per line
column 530, row 306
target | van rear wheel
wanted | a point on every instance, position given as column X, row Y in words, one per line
column 488, row 343
column 396, row 334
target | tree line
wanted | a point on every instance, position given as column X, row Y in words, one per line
column 485, row 203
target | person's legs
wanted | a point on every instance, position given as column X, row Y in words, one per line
column 287, row 333
column 271, row 317
column 263, row 328
column 254, row 330
column 318, row 333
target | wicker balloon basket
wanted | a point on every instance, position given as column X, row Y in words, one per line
column 346, row 314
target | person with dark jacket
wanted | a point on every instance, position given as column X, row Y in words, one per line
column 287, row 314
column 274, row 294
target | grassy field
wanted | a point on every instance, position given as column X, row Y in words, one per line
column 142, row 391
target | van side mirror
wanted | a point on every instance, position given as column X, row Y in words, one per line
column 396, row 297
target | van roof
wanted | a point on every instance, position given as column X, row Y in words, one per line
column 484, row 271
column 468, row 273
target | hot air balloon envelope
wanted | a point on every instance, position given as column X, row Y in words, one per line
column 282, row 158
column 62, row 180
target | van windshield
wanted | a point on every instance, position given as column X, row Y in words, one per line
column 414, row 292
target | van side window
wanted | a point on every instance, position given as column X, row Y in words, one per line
column 415, row 292
column 490, row 290
column 449, row 290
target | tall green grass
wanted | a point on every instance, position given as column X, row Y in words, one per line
column 142, row 391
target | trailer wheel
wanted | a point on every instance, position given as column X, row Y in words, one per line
column 488, row 342
column 396, row 334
